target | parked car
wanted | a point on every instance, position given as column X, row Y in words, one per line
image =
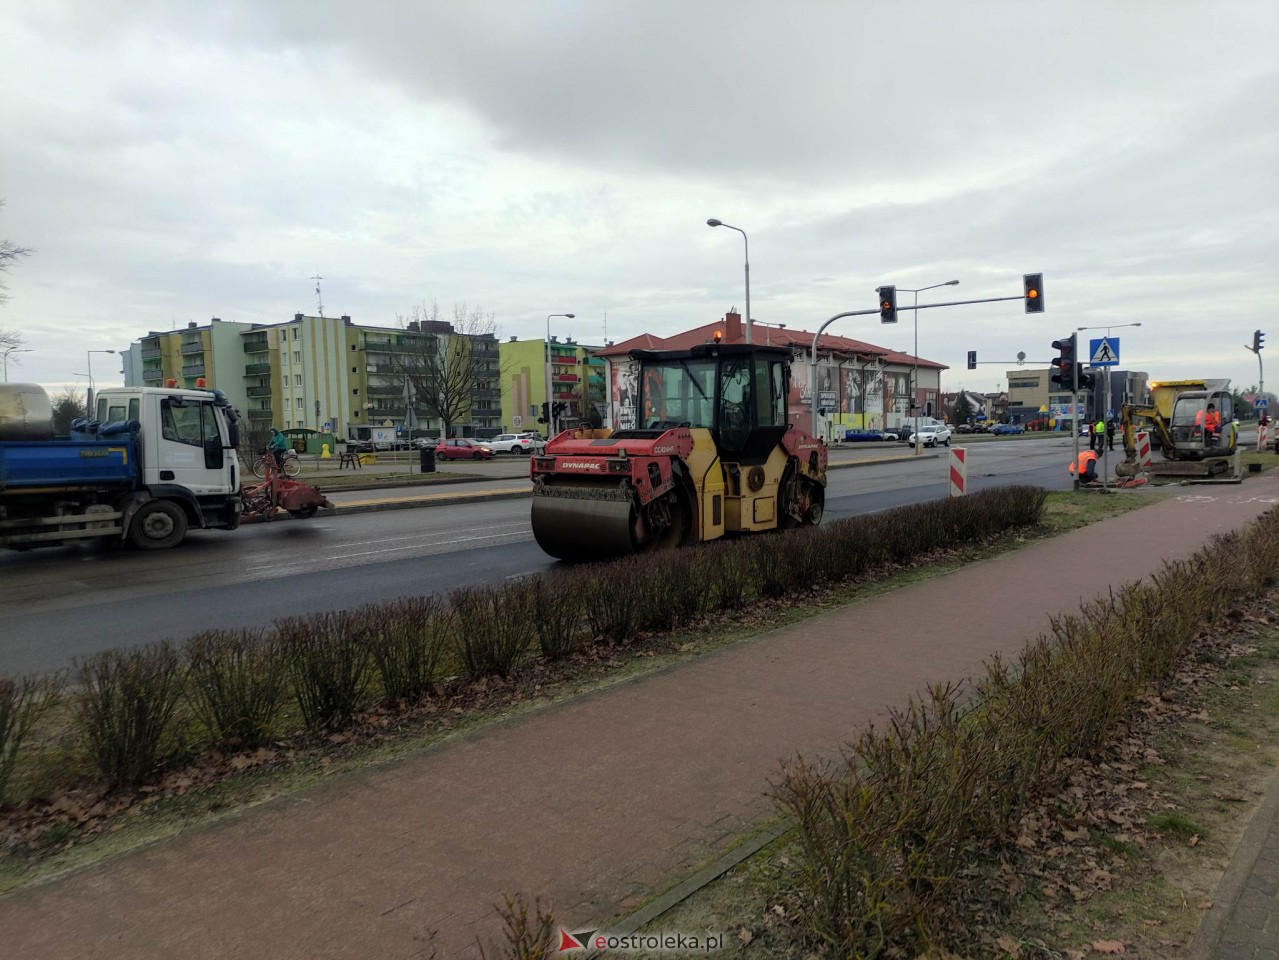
column 964, row 428
column 517, row 443
column 860, row 436
column 1006, row 429
column 932, row 435
column 426, row 443
column 459, row 448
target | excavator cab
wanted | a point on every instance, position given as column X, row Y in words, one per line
column 1202, row 425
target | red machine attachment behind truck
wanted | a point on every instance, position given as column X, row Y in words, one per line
column 713, row 455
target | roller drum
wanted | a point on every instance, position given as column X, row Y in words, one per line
column 585, row 528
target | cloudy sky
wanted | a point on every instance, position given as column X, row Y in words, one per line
column 171, row 161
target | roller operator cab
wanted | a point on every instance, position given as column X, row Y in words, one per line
column 712, row 454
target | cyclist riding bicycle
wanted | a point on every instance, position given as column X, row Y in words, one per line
column 278, row 447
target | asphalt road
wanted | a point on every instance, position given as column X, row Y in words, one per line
column 59, row 604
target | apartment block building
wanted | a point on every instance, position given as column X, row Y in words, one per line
column 326, row 374
column 566, row 372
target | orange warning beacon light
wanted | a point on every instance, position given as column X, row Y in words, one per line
column 201, row 383
column 718, row 335
column 171, row 383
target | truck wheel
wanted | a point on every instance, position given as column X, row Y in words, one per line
column 158, row 525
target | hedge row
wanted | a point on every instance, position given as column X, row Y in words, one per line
column 135, row 711
column 892, row 835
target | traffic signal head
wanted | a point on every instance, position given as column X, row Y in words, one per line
column 972, row 359
column 1083, row 379
column 887, row 304
column 1034, row 284
column 1258, row 340
column 1064, row 367
column 545, row 417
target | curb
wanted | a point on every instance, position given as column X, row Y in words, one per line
column 1242, row 862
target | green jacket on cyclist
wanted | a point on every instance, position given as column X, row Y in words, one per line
column 278, row 443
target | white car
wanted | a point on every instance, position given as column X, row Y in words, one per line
column 515, row 443
column 932, row 435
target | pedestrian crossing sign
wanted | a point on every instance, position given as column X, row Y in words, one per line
column 1104, row 352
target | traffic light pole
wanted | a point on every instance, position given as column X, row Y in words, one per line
column 1074, row 402
column 812, row 357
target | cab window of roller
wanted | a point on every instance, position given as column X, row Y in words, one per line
column 678, row 393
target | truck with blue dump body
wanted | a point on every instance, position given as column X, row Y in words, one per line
column 147, row 466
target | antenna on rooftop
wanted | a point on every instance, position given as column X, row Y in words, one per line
column 319, row 304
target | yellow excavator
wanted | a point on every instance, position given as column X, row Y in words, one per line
column 712, row 454
column 1193, row 423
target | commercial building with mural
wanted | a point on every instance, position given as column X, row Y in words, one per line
column 859, row 385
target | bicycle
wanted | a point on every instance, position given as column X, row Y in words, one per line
column 292, row 465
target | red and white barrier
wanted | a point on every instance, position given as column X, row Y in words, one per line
column 1263, row 436
column 1143, row 449
column 958, row 471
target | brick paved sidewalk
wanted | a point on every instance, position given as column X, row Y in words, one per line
column 593, row 804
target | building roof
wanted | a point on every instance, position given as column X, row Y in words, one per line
column 732, row 331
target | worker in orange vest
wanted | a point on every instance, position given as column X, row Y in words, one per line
column 1086, row 466
column 1210, row 421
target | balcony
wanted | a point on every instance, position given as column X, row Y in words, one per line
column 486, row 393
column 256, row 369
column 565, row 377
column 256, row 345
column 380, row 368
column 378, row 414
column 387, row 346
column 190, row 348
column 152, row 376
column 258, row 391
column 260, row 415
column 193, row 369
column 386, row 390
column 150, row 353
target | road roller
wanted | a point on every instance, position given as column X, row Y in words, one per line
column 711, row 454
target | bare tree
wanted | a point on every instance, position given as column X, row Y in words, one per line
column 448, row 363
column 9, row 252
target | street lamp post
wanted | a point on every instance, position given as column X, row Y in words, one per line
column 720, row 223
column 550, row 419
column 5, row 353
column 1105, row 397
column 89, row 358
column 914, row 387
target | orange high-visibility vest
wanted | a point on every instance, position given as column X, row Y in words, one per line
column 1082, row 466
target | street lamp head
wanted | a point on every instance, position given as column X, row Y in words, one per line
column 712, row 222
column 570, row 315
column 951, row 283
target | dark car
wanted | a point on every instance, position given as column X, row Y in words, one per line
column 862, row 436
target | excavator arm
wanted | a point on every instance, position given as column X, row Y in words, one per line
column 1127, row 414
